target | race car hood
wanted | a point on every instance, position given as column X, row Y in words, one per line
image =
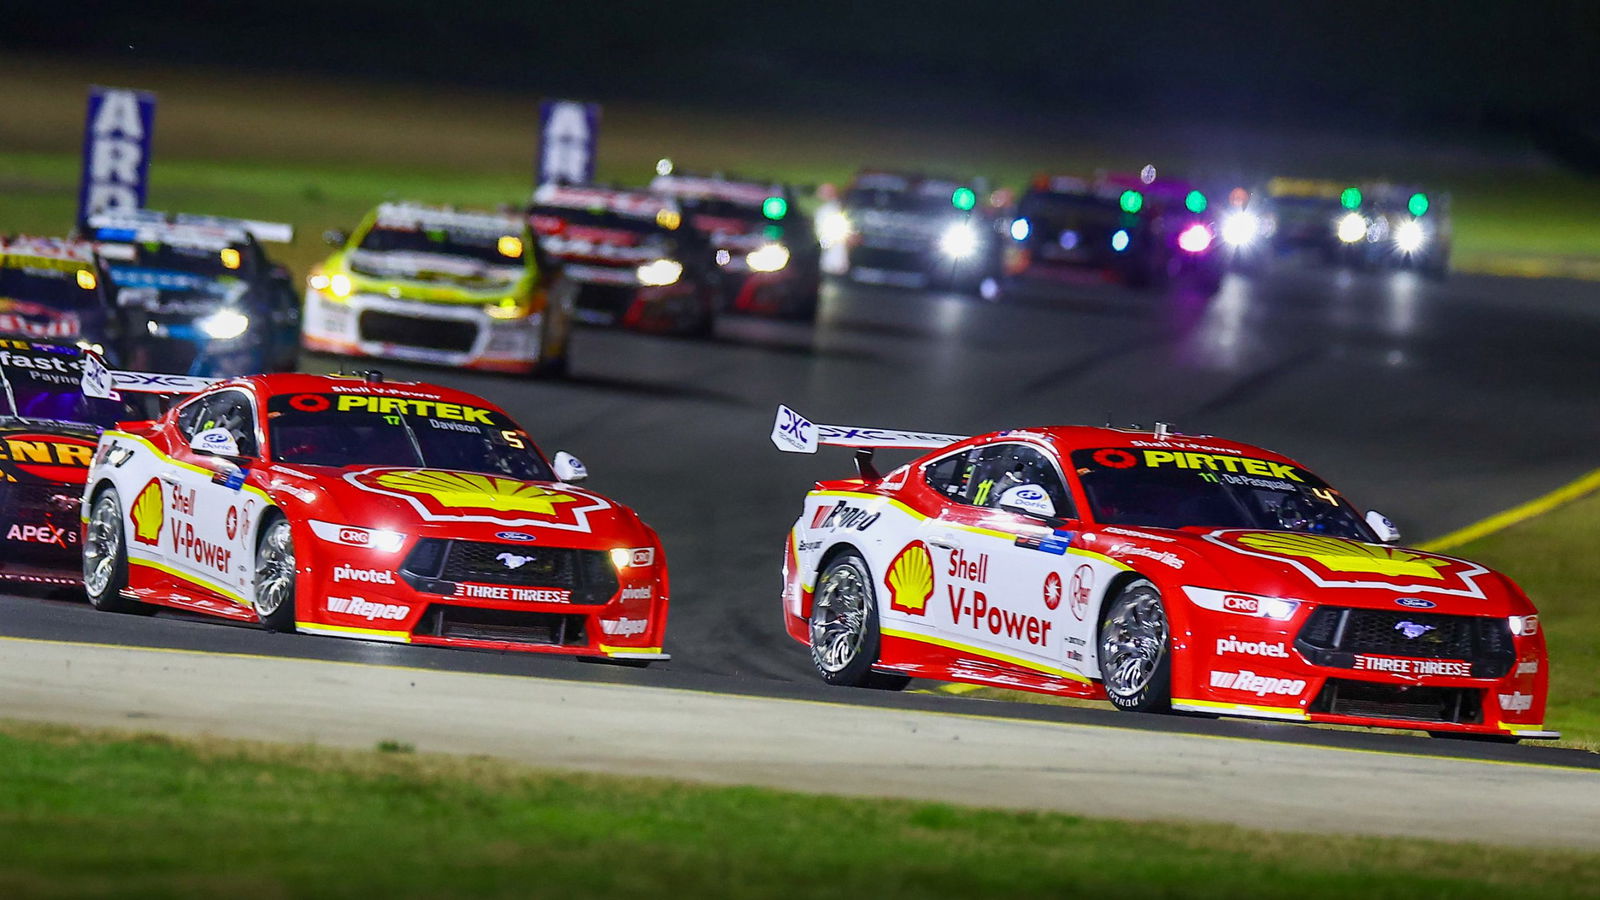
column 46, row 452
column 464, row 505
column 431, row 276
column 898, row 223
column 1315, row 568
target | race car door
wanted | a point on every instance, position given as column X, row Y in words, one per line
column 206, row 530
column 997, row 561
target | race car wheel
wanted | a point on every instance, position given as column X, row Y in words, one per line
column 275, row 575
column 105, row 557
column 844, row 627
column 1135, row 650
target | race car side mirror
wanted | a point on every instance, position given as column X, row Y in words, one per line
column 335, row 237
column 1382, row 527
column 569, row 468
column 1027, row 499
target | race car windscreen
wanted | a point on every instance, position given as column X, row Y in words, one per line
column 928, row 197
column 1069, row 211
column 489, row 247
column 43, row 382
column 372, row 430
column 211, row 261
column 1182, row 489
column 58, row 287
column 571, row 228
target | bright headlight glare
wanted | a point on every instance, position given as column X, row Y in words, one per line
column 339, row 286
column 959, row 241
column 1020, row 229
column 1410, row 237
column 660, row 273
column 1352, row 228
column 1240, row 229
column 1277, row 608
column 318, row 282
column 224, row 324
column 767, row 258
column 1524, row 626
column 621, row 557
column 833, row 229
column 1195, row 239
column 505, row 309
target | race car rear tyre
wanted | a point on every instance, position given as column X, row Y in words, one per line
column 1135, row 649
column 105, row 557
column 274, row 598
column 844, row 634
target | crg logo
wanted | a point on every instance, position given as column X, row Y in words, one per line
column 356, row 536
column 1238, row 604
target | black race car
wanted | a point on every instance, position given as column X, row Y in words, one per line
column 628, row 257
column 51, row 416
column 767, row 250
column 198, row 294
column 1407, row 229
column 57, row 290
column 916, row 231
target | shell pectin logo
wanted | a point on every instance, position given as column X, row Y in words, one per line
column 148, row 513
column 910, row 579
column 439, row 495
column 1340, row 562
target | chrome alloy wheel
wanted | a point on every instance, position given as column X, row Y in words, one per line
column 839, row 617
column 1133, row 641
column 103, row 545
column 274, row 569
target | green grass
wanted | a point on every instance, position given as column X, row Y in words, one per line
column 318, row 153
column 99, row 813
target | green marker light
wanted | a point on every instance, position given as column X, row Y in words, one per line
column 1418, row 204
column 1132, row 201
column 963, row 199
column 774, row 207
column 1350, row 198
column 1195, row 201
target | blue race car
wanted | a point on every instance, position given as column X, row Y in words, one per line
column 197, row 295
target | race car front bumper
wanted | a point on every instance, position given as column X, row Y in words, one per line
column 457, row 335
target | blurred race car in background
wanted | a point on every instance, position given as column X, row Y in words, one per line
column 1406, row 228
column 626, row 259
column 198, row 294
column 766, row 248
column 383, row 511
column 1066, row 228
column 1156, row 570
column 57, row 289
column 915, row 231
column 55, row 399
column 1310, row 216
column 437, row 285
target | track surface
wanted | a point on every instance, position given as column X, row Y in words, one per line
column 1437, row 403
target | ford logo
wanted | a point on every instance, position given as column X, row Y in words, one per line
column 520, row 536
column 1416, row 603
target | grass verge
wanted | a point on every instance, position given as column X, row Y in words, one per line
column 98, row 813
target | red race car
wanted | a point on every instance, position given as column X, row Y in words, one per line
column 1155, row 570
column 356, row 507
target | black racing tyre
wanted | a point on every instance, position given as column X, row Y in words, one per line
column 844, row 633
column 274, row 595
column 1135, row 649
column 105, row 556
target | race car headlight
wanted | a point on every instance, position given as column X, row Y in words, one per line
column 1020, row 229
column 224, row 324
column 1195, row 239
column 1240, row 229
column 833, row 229
column 1278, row 608
column 1524, row 626
column 767, row 258
column 508, row 308
column 1410, row 237
column 959, row 241
column 1352, row 228
column 660, row 273
column 337, row 286
column 380, row 539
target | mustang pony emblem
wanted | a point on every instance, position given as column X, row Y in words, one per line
column 513, row 561
column 1412, row 630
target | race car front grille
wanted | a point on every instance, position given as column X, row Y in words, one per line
column 1419, row 703
column 894, row 260
column 606, row 303
column 510, row 626
column 1335, row 636
column 437, row 565
column 449, row 335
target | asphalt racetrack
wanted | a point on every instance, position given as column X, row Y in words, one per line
column 1438, row 403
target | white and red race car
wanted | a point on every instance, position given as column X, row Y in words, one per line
column 356, row 507
column 1156, row 570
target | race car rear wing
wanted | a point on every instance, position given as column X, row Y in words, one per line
column 794, row 433
column 140, row 225
column 105, row 383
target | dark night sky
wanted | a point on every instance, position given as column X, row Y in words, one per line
column 1391, row 65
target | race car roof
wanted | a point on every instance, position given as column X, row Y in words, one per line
column 1073, row 185
column 880, row 180
column 1304, row 187
column 282, row 383
column 706, row 187
column 417, row 216
column 636, row 204
column 184, row 228
column 62, row 249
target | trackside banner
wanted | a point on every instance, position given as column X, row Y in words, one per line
column 569, row 132
column 116, row 151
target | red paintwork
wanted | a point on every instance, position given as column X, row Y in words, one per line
column 1203, row 562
